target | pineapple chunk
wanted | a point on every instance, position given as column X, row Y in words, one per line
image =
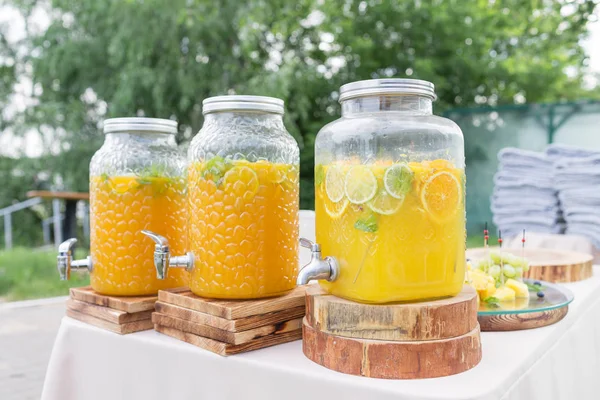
column 483, row 283
column 520, row 288
column 504, row 293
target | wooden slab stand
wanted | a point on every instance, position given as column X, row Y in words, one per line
column 558, row 266
column 515, row 322
column 233, row 309
column 436, row 319
column 128, row 304
column 122, row 329
column 226, row 336
column 107, row 314
column 227, row 349
column 392, row 360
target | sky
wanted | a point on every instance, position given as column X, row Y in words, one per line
column 32, row 142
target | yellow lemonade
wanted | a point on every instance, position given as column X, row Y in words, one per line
column 397, row 230
column 121, row 206
column 243, row 228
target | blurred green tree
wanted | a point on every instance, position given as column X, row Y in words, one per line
column 109, row 58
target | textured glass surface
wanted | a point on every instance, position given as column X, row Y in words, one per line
column 137, row 181
column 555, row 296
column 243, row 197
column 389, row 200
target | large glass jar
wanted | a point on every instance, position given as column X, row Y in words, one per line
column 390, row 194
column 137, row 181
column 243, row 202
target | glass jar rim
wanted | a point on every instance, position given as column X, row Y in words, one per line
column 388, row 86
column 242, row 103
column 140, row 124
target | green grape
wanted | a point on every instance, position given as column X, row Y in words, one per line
column 519, row 272
column 495, row 257
column 525, row 265
column 509, row 271
column 494, row 271
column 482, row 264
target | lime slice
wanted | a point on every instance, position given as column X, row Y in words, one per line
column 361, row 184
column 334, row 183
column 398, row 180
column 384, row 203
column 335, row 210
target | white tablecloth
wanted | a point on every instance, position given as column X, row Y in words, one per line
column 561, row 361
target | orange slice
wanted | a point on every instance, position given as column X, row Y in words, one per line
column 335, row 209
column 441, row 196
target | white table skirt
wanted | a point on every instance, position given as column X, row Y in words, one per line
column 561, row 361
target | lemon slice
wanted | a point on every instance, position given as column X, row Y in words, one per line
column 334, row 183
column 335, row 210
column 441, row 196
column 241, row 182
column 384, row 203
column 398, row 180
column 360, row 185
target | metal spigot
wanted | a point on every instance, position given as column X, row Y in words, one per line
column 163, row 259
column 65, row 262
column 318, row 268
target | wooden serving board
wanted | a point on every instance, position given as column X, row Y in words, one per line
column 516, row 322
column 233, row 309
column 128, row 304
column 122, row 329
column 226, row 336
column 548, row 264
column 226, row 349
column 107, row 314
column 429, row 320
column 231, row 325
column 392, row 359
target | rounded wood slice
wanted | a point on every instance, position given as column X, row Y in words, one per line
column 428, row 320
column 516, row 322
column 392, row 360
column 548, row 264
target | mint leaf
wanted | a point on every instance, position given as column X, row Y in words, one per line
column 491, row 301
column 368, row 224
column 535, row 288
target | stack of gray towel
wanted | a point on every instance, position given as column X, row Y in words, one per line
column 577, row 179
column 524, row 195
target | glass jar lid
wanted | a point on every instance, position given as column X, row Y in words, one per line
column 242, row 103
column 139, row 124
column 392, row 86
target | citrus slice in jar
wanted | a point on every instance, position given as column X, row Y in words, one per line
column 398, row 180
column 334, row 183
column 441, row 196
column 241, row 182
column 277, row 173
column 384, row 203
column 360, row 184
column 335, row 210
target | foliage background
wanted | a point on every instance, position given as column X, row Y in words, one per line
column 100, row 59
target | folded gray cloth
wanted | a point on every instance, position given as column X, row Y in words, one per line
column 567, row 164
column 517, row 201
column 578, row 209
column 508, row 177
column 516, row 229
column 558, row 151
column 526, row 158
column 579, row 196
column 524, row 192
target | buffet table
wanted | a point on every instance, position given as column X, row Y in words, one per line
column 561, row 361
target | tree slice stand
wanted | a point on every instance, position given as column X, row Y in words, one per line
column 558, row 266
column 121, row 315
column 229, row 327
column 392, row 341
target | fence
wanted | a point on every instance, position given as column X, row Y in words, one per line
column 529, row 126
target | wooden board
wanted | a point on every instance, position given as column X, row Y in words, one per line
column 232, row 325
column 548, row 264
column 233, row 309
column 122, row 329
column 132, row 304
column 222, row 335
column 429, row 320
column 107, row 314
column 392, row 359
column 516, row 322
column 226, row 349
column 59, row 195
